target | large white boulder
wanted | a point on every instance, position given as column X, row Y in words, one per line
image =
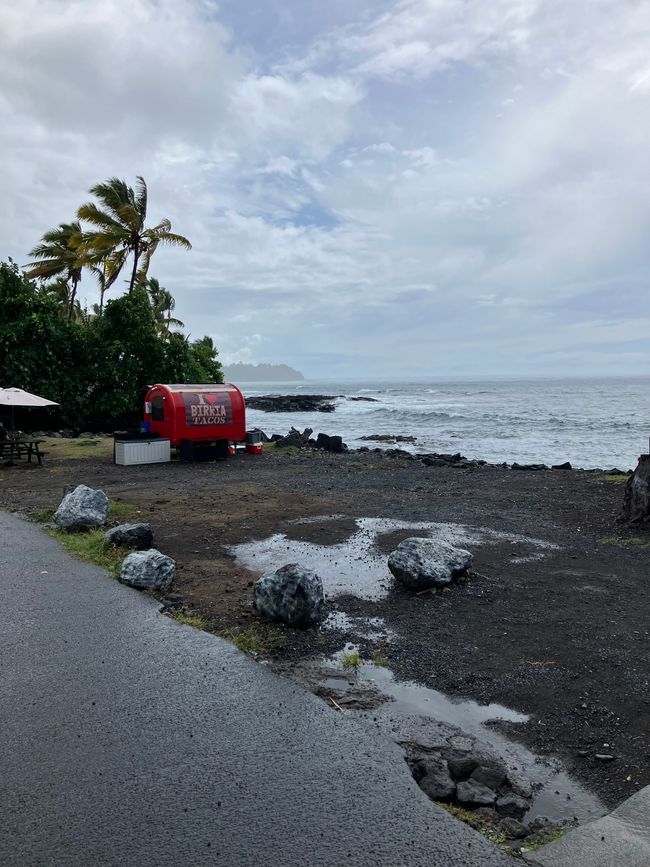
column 82, row 509
column 291, row 594
column 420, row 563
column 148, row 570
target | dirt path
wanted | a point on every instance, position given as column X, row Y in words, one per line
column 563, row 637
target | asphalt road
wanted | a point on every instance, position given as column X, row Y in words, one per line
column 129, row 739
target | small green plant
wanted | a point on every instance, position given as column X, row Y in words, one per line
column 352, row 660
column 378, row 659
column 92, row 548
column 196, row 620
column 256, row 639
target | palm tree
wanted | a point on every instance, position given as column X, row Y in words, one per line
column 60, row 256
column 120, row 231
column 163, row 305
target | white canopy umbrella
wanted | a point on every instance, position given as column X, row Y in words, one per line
column 17, row 397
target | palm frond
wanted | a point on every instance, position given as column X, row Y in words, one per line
column 113, row 194
column 141, row 197
column 173, row 240
column 96, row 217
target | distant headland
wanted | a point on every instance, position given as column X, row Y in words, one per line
column 260, row 373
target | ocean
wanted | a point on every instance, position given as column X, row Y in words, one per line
column 589, row 422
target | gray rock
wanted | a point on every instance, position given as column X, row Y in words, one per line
column 148, row 570
column 138, row 536
column 419, row 563
column 462, row 767
column 82, row 509
column 490, row 777
column 512, row 805
column 291, row 594
column 513, row 828
column 436, row 782
column 473, row 794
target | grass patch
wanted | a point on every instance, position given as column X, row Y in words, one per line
column 555, row 834
column 256, row 639
column 91, row 547
column 41, row 516
column 632, row 542
column 481, row 825
column 122, row 510
column 73, row 449
column 614, row 478
column 198, row 621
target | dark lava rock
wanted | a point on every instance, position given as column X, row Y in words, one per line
column 389, row 438
column 291, row 594
column 292, row 403
column 565, row 466
column 531, row 467
column 472, row 794
column 436, row 782
column 462, row 767
column 513, row 828
column 138, row 536
column 366, row 399
column 330, row 443
column 293, row 438
column 512, row 805
column 490, row 777
column 636, row 498
column 419, row 563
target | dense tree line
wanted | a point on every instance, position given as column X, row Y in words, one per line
column 97, row 363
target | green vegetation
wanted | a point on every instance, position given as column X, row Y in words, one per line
column 256, row 638
column 92, row 548
column 632, row 542
column 492, row 832
column 477, row 822
column 378, row 659
column 197, row 621
column 96, row 363
column 614, row 478
column 352, row 660
column 40, row 516
column 73, row 449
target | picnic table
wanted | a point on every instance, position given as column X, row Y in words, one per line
column 21, row 446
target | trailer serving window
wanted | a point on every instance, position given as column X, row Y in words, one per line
column 158, row 408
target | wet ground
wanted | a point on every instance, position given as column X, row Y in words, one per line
column 551, row 624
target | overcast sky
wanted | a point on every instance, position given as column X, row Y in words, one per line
column 432, row 187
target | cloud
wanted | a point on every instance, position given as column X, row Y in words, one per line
column 413, row 186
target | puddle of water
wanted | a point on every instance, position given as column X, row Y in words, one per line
column 357, row 566
column 373, row 629
column 430, row 720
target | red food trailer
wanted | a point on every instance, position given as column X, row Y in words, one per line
column 193, row 416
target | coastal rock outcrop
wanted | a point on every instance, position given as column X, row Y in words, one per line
column 82, row 508
column 292, row 402
column 139, row 536
column 148, row 570
column 636, row 499
column 420, row 563
column 291, row 594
